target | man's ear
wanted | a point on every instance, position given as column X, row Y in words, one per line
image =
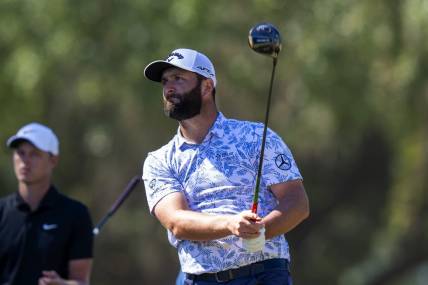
column 207, row 86
column 54, row 159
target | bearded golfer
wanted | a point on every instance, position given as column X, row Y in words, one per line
column 200, row 185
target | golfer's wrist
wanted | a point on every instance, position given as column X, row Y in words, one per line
column 229, row 225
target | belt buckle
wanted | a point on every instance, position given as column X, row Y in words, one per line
column 227, row 276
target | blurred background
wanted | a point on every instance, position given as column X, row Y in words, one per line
column 350, row 99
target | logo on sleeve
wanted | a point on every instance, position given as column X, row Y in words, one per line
column 283, row 162
column 152, row 183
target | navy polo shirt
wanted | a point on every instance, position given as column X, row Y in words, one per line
column 58, row 231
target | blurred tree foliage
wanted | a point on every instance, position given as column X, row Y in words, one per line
column 350, row 99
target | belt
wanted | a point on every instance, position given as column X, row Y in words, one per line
column 244, row 271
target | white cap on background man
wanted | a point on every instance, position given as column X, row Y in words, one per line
column 38, row 135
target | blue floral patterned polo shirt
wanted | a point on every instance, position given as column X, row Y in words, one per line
column 218, row 176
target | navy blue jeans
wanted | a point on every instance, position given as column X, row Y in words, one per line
column 276, row 276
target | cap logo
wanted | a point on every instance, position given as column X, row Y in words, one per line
column 28, row 131
column 174, row 54
column 203, row 68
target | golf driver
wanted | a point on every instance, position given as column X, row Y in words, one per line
column 131, row 186
column 264, row 38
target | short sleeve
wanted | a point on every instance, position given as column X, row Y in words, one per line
column 159, row 181
column 81, row 242
column 278, row 163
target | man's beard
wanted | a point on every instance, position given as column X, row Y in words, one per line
column 188, row 106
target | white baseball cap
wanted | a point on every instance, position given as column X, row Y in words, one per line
column 37, row 134
column 183, row 58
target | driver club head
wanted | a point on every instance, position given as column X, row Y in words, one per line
column 264, row 38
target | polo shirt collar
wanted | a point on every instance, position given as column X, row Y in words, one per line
column 215, row 130
column 49, row 200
